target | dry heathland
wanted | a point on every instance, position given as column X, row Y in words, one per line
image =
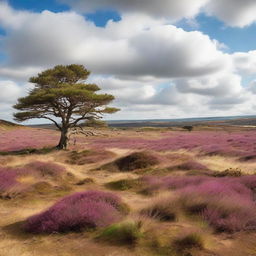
column 128, row 192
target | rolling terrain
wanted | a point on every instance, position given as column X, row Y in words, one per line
column 137, row 191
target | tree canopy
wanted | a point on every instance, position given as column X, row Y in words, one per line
column 62, row 96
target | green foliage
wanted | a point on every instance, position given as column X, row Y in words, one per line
column 61, row 96
column 125, row 233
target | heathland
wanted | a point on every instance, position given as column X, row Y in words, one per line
column 128, row 191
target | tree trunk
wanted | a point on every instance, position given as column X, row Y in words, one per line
column 63, row 140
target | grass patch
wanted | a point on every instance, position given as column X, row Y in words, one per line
column 28, row 151
column 124, row 184
column 88, row 156
column 85, row 181
column 188, row 241
column 162, row 210
column 124, row 233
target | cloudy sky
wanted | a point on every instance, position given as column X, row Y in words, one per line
column 161, row 59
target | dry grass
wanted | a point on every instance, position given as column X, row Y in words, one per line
column 159, row 237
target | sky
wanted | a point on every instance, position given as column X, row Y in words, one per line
column 160, row 59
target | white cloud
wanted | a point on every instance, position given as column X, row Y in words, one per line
column 155, row 70
column 10, row 91
column 148, row 49
column 18, row 73
column 245, row 62
column 166, row 8
column 237, row 13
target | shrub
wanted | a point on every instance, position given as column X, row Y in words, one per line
column 214, row 201
column 84, row 210
column 227, row 203
column 137, row 160
column 231, row 172
column 7, row 179
column 46, row 169
column 188, row 241
column 9, row 185
column 188, row 128
column 124, row 233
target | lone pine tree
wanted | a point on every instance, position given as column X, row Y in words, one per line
column 62, row 96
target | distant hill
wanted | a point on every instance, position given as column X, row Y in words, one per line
column 7, row 123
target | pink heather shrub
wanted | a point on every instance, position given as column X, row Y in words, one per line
column 153, row 183
column 46, row 169
column 208, row 142
column 84, row 210
column 226, row 203
column 24, row 138
column 7, row 179
column 9, row 186
column 230, row 220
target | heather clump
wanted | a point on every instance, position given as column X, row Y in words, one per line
column 25, row 138
column 137, row 160
column 227, row 203
column 153, row 184
column 9, row 185
column 7, row 180
column 80, row 211
column 234, row 144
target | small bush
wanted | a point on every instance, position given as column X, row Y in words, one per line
column 125, row 233
column 188, row 128
column 10, row 187
column 80, row 211
column 7, row 179
column 231, row 172
column 188, row 242
column 137, row 160
column 227, row 203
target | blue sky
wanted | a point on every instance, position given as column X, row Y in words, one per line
column 178, row 59
column 236, row 39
